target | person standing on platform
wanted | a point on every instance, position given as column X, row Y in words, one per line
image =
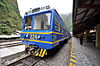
column 81, row 40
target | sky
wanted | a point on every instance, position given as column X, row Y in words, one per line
column 62, row 6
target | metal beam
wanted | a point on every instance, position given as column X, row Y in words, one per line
column 91, row 6
column 81, row 18
column 86, row 16
column 81, row 27
column 81, row 12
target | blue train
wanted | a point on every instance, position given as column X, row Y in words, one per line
column 42, row 31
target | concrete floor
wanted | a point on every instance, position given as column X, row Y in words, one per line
column 87, row 54
column 58, row 58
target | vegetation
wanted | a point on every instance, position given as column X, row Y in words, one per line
column 10, row 19
column 67, row 18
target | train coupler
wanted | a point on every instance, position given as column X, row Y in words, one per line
column 36, row 51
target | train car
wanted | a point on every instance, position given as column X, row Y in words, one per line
column 42, row 31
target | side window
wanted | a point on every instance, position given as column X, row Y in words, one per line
column 61, row 27
column 64, row 31
column 28, row 23
column 57, row 24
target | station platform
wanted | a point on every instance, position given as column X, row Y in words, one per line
column 9, row 36
column 86, row 54
column 11, row 54
column 4, row 43
column 11, row 50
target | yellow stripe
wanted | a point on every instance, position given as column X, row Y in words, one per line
column 73, row 50
column 57, row 33
column 44, row 41
column 59, row 40
column 37, row 54
column 72, row 53
column 40, row 52
column 38, row 41
column 26, row 46
column 72, row 60
column 73, row 56
column 71, row 64
column 43, row 52
column 37, row 32
column 46, row 53
column 43, row 33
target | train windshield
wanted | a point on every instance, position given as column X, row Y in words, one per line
column 40, row 22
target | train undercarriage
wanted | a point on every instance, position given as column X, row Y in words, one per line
column 35, row 50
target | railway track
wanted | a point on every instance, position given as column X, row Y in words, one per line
column 27, row 61
column 10, row 44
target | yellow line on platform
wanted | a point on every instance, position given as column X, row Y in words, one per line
column 73, row 60
column 71, row 64
column 72, row 56
column 72, row 53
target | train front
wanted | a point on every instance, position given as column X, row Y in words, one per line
column 36, row 33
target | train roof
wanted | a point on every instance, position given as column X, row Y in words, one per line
column 37, row 10
column 41, row 10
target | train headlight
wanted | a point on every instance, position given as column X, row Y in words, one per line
column 37, row 36
column 27, row 35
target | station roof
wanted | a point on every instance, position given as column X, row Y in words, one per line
column 86, row 15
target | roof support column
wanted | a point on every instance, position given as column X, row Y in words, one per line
column 98, row 35
column 87, row 35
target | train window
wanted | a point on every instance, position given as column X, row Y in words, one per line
column 64, row 31
column 61, row 27
column 28, row 23
column 42, row 21
column 57, row 24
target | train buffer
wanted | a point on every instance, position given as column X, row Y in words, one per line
column 86, row 54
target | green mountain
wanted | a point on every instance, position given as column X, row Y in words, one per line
column 67, row 18
column 10, row 19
